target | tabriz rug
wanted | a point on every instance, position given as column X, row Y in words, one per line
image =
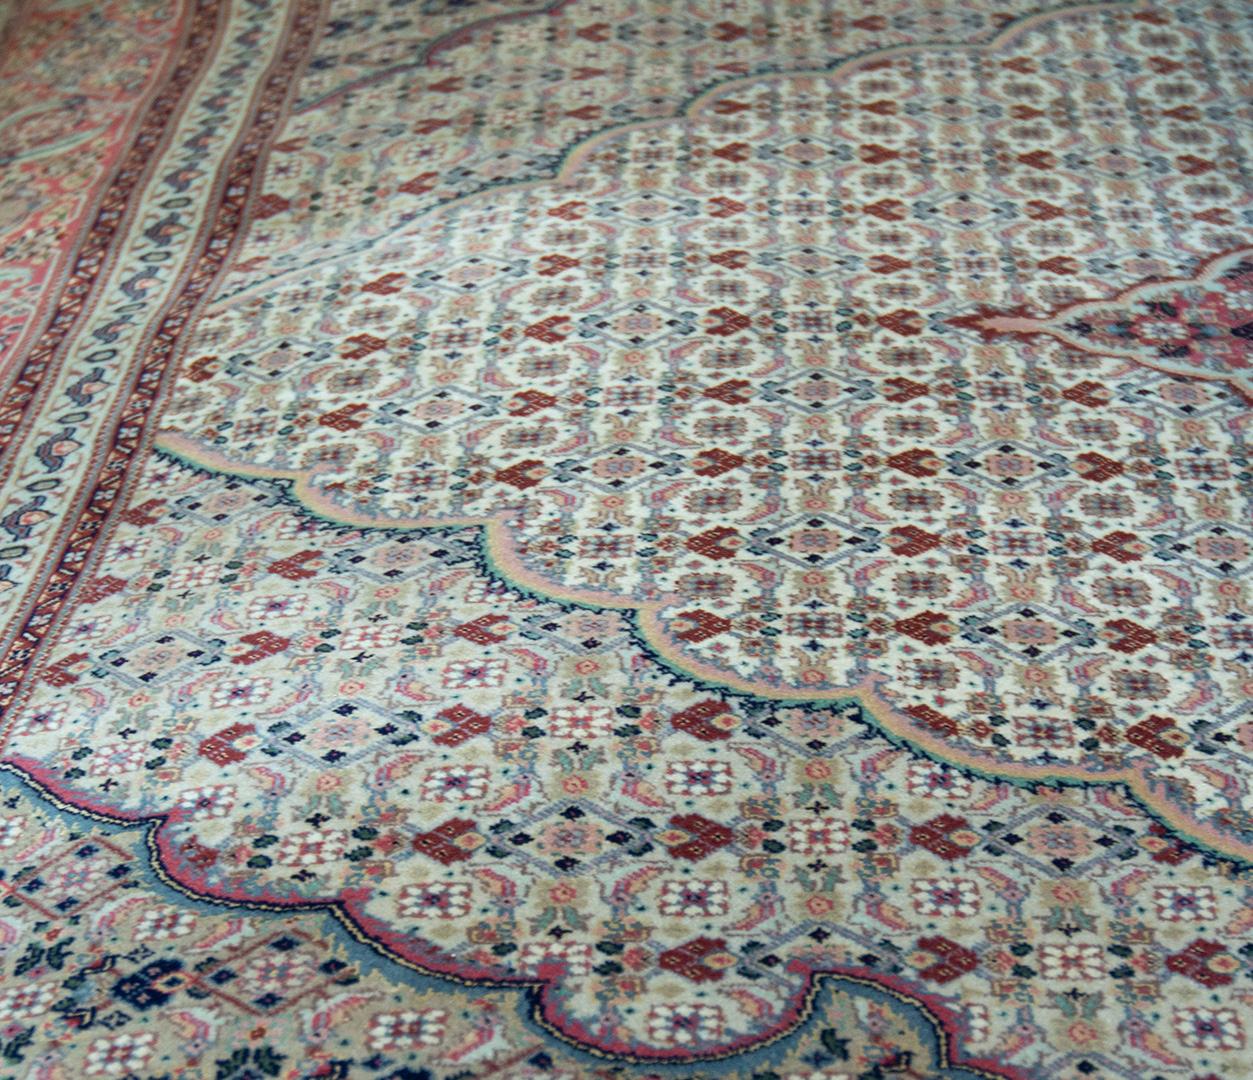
column 626, row 539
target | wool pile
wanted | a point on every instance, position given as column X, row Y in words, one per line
column 626, row 539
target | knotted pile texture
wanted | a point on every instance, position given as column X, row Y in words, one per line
column 626, row 539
